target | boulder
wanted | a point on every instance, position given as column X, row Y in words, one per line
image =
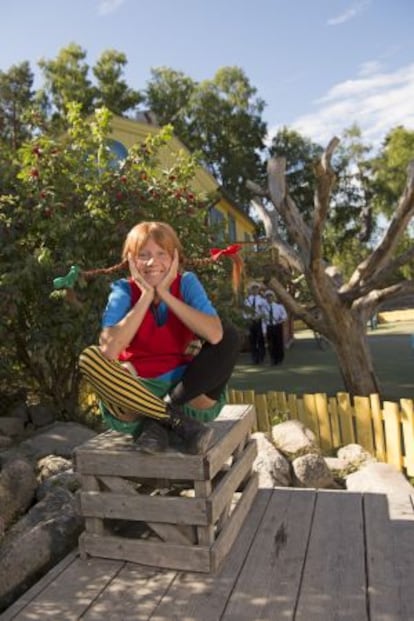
column 37, row 542
column 273, row 468
column 311, row 471
column 292, row 438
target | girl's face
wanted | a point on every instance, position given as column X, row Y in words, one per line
column 153, row 262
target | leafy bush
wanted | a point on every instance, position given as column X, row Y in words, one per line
column 71, row 203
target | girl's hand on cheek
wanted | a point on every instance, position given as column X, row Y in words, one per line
column 144, row 286
column 170, row 276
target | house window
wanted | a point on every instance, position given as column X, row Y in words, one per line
column 232, row 229
column 217, row 222
column 118, row 153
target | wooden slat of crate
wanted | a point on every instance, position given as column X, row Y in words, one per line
column 230, row 482
column 153, row 553
column 101, row 454
column 230, row 437
column 167, row 532
column 112, row 453
column 191, row 511
column 232, row 527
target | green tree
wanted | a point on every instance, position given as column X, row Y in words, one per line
column 111, row 89
column 16, row 97
column 66, row 80
column 387, row 169
column 220, row 118
column 73, row 204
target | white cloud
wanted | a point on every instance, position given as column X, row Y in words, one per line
column 109, row 6
column 376, row 103
column 352, row 12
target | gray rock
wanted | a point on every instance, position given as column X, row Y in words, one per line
column 292, row 438
column 68, row 480
column 11, row 426
column 51, row 465
column 41, row 414
column 311, row 471
column 379, row 478
column 46, row 534
column 272, row 467
column 17, row 490
column 355, row 454
column 58, row 439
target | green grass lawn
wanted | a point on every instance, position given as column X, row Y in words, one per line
column 307, row 369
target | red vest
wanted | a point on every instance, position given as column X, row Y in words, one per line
column 154, row 350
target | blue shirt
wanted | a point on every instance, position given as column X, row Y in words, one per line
column 119, row 304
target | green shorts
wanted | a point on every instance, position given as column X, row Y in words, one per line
column 160, row 389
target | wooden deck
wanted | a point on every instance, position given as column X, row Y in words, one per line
column 301, row 555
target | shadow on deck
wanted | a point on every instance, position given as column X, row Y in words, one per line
column 301, row 555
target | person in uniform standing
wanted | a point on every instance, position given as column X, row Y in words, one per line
column 274, row 316
column 254, row 305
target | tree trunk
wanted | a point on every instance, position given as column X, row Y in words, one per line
column 354, row 358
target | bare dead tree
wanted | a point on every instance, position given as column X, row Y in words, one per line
column 343, row 307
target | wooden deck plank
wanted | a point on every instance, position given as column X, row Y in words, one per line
column 193, row 597
column 268, row 586
column 38, row 587
column 334, row 580
column 70, row 593
column 132, row 595
column 390, row 553
column 318, row 558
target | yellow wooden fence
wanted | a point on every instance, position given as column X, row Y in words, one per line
column 385, row 429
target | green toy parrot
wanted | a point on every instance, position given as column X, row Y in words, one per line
column 68, row 281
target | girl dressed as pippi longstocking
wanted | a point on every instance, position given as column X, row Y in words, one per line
column 144, row 372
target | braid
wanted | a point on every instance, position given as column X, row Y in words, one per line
column 68, row 282
column 105, row 270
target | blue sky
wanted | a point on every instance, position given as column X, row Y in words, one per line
column 320, row 65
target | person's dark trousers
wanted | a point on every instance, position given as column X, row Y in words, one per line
column 209, row 372
column 257, row 343
column 275, row 341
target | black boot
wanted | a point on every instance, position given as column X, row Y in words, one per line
column 195, row 435
column 153, row 437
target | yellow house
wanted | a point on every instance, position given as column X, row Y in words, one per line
column 224, row 213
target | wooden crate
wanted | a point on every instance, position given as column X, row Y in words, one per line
column 169, row 510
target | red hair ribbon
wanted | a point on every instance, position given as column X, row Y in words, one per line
column 215, row 253
column 232, row 252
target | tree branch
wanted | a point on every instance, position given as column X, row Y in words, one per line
column 325, row 179
column 286, row 207
column 376, row 297
column 256, row 189
column 370, row 268
column 270, row 225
